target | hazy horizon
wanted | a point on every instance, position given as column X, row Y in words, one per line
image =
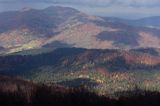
column 128, row 9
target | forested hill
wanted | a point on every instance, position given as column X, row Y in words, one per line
column 74, row 59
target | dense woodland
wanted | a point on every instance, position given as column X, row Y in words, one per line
column 71, row 58
column 16, row 92
column 99, row 70
column 36, row 52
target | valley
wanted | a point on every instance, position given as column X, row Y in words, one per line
column 108, row 70
column 66, row 47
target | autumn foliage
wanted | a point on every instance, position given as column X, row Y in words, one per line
column 15, row 92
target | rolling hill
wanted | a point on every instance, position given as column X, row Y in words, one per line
column 107, row 70
column 65, row 46
column 59, row 27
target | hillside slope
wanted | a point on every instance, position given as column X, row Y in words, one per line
column 58, row 27
column 96, row 69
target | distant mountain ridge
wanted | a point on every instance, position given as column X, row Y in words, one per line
column 56, row 27
column 151, row 22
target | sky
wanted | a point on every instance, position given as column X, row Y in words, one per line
column 129, row 9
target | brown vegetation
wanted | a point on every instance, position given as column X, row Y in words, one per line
column 16, row 92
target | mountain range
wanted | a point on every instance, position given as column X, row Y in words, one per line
column 59, row 27
column 65, row 46
column 108, row 70
column 150, row 22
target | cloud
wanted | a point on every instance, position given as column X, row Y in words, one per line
column 134, row 3
column 143, row 3
column 117, row 8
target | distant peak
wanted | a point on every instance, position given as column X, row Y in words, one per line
column 55, row 7
column 60, row 8
column 25, row 9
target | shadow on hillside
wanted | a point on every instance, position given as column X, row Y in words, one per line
column 79, row 82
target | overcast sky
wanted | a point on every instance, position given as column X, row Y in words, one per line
column 118, row 8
